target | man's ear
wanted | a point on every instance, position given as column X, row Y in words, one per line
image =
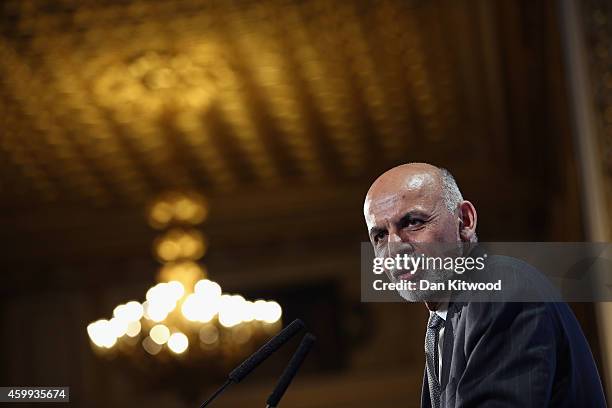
column 467, row 221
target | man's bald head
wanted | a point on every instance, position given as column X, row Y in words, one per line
column 442, row 182
column 424, row 195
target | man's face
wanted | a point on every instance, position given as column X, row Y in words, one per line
column 405, row 213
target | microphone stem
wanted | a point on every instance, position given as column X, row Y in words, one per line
column 219, row 391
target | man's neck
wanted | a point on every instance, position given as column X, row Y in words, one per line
column 434, row 306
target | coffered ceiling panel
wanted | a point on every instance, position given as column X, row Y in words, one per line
column 106, row 103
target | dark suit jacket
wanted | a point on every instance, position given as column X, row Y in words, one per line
column 511, row 354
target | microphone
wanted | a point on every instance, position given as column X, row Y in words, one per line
column 265, row 351
column 291, row 370
column 258, row 357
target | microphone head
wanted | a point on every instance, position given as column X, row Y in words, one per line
column 265, row 351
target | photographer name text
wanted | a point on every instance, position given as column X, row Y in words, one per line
column 451, row 284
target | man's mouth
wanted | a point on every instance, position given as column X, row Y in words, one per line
column 403, row 275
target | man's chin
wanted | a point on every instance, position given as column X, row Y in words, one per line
column 415, row 295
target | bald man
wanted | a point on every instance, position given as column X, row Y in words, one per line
column 478, row 354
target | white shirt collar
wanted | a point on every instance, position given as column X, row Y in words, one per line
column 442, row 310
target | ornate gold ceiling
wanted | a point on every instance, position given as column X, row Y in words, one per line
column 114, row 100
column 107, row 103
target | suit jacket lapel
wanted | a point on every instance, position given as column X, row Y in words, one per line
column 454, row 311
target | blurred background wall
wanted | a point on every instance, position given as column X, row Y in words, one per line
column 281, row 114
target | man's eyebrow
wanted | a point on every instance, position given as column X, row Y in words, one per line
column 406, row 217
column 410, row 215
column 376, row 230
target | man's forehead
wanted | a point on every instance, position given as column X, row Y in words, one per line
column 417, row 191
column 388, row 192
column 385, row 202
column 393, row 203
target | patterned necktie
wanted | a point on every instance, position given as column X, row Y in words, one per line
column 431, row 356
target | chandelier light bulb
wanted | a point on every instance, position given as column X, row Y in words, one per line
column 133, row 328
column 160, row 334
column 178, row 343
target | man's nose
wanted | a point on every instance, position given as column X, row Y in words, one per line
column 394, row 238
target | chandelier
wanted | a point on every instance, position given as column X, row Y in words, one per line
column 185, row 319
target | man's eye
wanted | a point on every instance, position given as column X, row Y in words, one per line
column 379, row 236
column 415, row 222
